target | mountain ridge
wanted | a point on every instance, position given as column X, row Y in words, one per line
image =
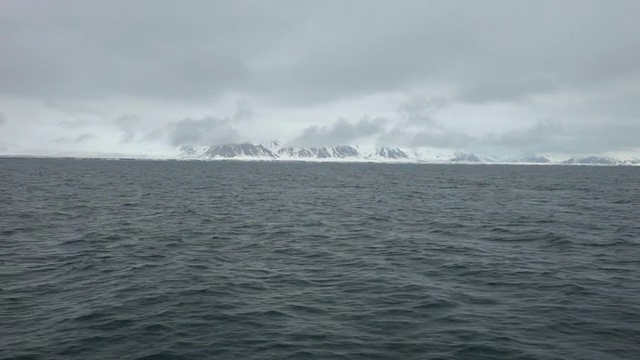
column 277, row 151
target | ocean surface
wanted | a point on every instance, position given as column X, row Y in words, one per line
column 256, row 260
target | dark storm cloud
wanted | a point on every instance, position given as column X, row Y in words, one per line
column 340, row 132
column 205, row 131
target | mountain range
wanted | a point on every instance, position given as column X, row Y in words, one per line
column 275, row 150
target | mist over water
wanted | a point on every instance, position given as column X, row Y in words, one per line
column 200, row 260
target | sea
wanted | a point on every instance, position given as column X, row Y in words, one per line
column 104, row 259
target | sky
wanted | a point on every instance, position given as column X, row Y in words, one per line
column 144, row 77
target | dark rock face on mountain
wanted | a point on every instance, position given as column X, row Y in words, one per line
column 272, row 144
column 238, row 150
column 591, row 160
column 533, row 159
column 344, row 151
column 187, row 150
column 305, row 153
column 275, row 150
column 464, row 157
column 390, row 153
column 321, row 152
column 293, row 152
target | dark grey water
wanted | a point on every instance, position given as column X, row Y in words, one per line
column 198, row 260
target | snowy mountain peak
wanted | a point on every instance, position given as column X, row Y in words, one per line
column 273, row 145
column 245, row 150
column 534, row 159
column 275, row 150
column 600, row 160
column 464, row 157
column 390, row 153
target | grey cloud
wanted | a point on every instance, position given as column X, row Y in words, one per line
column 429, row 137
column 127, row 120
column 243, row 110
column 554, row 136
column 507, row 90
column 126, row 124
column 312, row 52
column 83, row 137
column 594, row 139
column 608, row 137
column 75, row 56
column 532, row 47
column 154, row 136
column 158, row 49
column 442, row 138
column 540, row 133
column 205, row 131
column 75, row 123
column 3, row 119
column 339, row 133
column 417, row 126
column 414, row 129
column 420, row 110
column 75, row 140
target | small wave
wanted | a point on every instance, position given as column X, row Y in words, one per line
column 555, row 240
column 156, row 328
column 162, row 355
column 209, row 265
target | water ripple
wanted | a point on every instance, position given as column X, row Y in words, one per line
column 191, row 260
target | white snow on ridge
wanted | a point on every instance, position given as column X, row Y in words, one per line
column 277, row 151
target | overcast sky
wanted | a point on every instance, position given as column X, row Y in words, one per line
column 512, row 77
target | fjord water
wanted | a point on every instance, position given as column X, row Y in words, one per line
column 258, row 260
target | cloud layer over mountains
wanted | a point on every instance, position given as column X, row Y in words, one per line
column 141, row 76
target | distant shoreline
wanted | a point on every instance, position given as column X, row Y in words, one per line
column 319, row 161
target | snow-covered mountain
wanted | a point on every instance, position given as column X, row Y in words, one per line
column 389, row 153
column 600, row 160
column 465, row 157
column 321, row 152
column 534, row 159
column 276, row 150
column 245, row 150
